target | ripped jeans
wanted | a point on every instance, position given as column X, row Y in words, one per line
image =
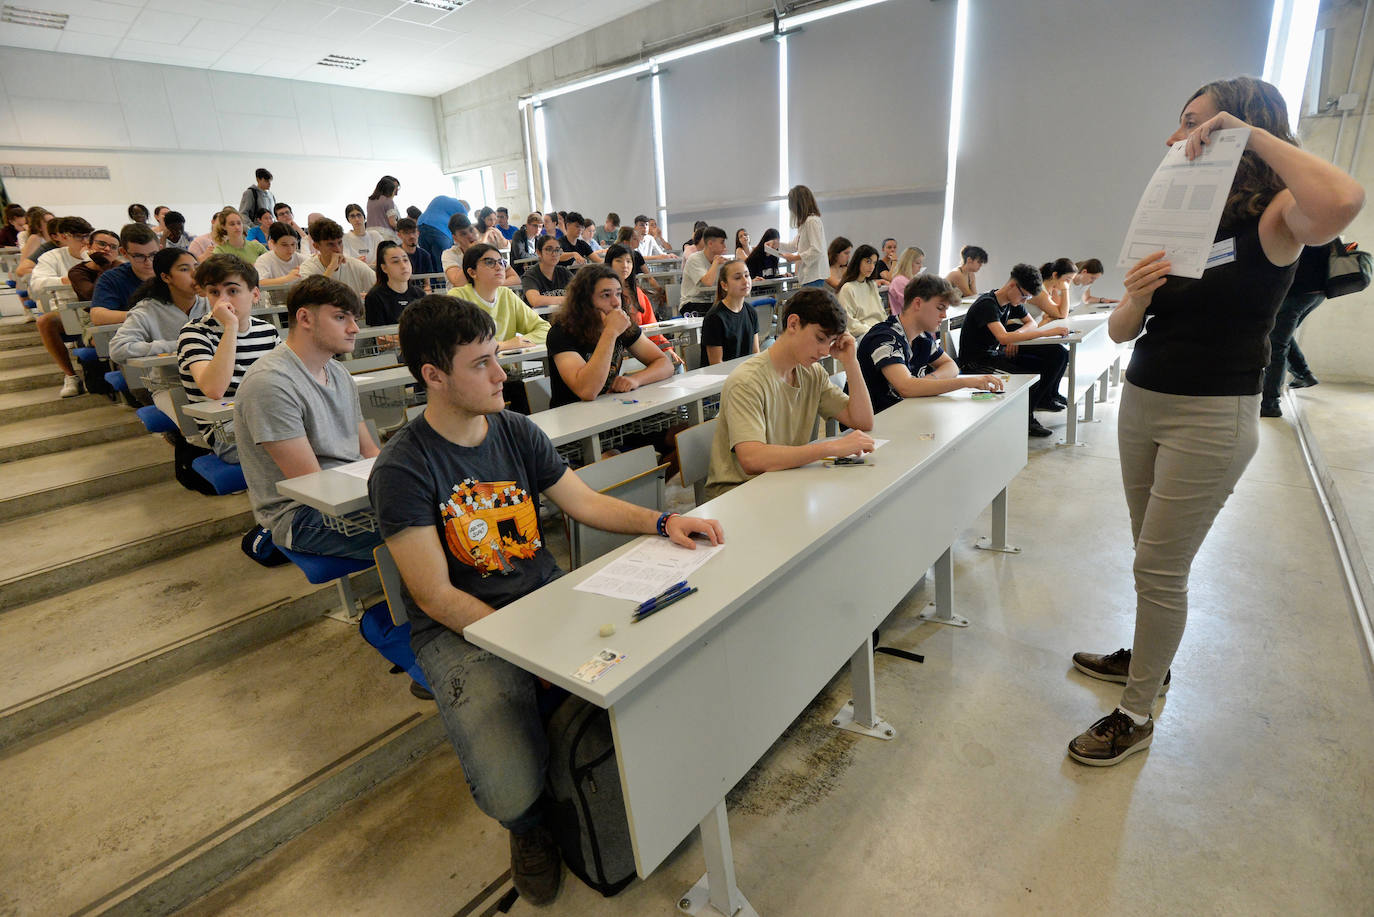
column 490, row 710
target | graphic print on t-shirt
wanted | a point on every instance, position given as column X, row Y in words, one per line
column 487, row 525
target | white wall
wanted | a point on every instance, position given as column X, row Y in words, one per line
column 191, row 139
column 1335, row 337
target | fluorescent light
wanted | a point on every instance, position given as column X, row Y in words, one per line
column 713, row 43
column 1291, row 30
column 41, row 19
column 541, row 140
column 784, row 168
column 827, row 12
column 660, row 182
column 956, row 108
column 597, row 80
column 343, row 62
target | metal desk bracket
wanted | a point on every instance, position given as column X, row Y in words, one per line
column 941, row 611
column 998, row 541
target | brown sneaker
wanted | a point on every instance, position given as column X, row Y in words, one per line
column 536, row 869
column 1110, row 739
column 1112, row 667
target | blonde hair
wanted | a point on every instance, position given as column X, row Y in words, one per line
column 906, row 265
column 218, row 232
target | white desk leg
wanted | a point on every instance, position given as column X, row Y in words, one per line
column 1071, row 436
column 860, row 714
column 1089, row 402
column 591, row 448
column 942, row 610
column 998, row 541
column 1116, row 371
column 347, row 611
column 696, row 410
column 716, row 892
column 1102, row 382
column 944, row 335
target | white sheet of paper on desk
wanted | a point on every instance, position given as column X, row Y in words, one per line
column 359, row 469
column 691, row 382
column 1181, row 207
column 877, row 443
column 647, row 569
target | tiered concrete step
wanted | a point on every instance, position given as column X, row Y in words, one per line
column 46, row 435
column 144, row 808
column 29, row 377
column 62, row 549
column 31, row 355
column 47, row 482
column 18, row 339
column 44, row 402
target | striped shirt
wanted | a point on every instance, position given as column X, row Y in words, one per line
column 198, row 342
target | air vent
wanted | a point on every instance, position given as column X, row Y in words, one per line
column 37, row 18
column 342, row 62
column 447, row 6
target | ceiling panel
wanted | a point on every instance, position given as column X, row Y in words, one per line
column 409, row 48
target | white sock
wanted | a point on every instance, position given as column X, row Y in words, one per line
column 1135, row 718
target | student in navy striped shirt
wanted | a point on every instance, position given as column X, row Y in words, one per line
column 212, row 360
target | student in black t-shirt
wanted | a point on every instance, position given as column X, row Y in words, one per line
column 572, row 241
column 456, row 495
column 421, row 261
column 545, row 282
column 761, row 262
column 394, row 291
column 590, row 338
column 988, row 342
column 901, row 356
column 731, row 327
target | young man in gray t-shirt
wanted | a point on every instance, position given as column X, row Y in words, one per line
column 297, row 412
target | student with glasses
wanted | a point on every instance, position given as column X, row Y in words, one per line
column 988, row 344
column 485, row 271
column 545, row 282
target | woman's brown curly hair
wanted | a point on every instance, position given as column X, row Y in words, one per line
column 578, row 315
column 1258, row 104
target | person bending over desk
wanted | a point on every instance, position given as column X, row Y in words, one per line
column 456, row 494
column 731, row 328
column 901, row 356
column 215, row 351
column 1052, row 302
column 986, row 342
column 590, row 338
column 964, row 277
column 297, row 412
column 769, row 405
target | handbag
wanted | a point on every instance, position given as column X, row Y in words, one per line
column 1349, row 269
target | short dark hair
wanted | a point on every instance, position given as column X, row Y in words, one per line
column 136, row 206
column 325, row 230
column 573, row 216
column 1091, row 266
column 1060, row 266
column 219, row 268
column 1027, row 278
column 104, row 232
column 263, row 173
column 543, row 241
column 173, row 218
column 929, row 286
column 973, row 253
column 77, row 226
column 641, row 219
column 458, row 222
column 434, row 326
column 406, row 224
column 136, row 234
column 280, row 205
column 414, row 212
column 503, row 210
column 816, row 306
column 713, row 232
column 614, row 219
column 474, row 254
column 318, row 290
column 280, row 230
column 889, row 239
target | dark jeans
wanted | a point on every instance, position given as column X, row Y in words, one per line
column 1283, row 350
column 310, row 536
column 1048, row 361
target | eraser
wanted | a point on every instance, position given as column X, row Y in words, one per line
column 607, row 630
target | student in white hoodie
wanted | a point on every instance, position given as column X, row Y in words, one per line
column 50, row 270
column 162, row 306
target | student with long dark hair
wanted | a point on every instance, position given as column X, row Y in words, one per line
column 859, row 294
column 837, row 256
column 731, row 327
column 741, row 244
column 1189, row 417
column 385, row 302
column 1090, row 272
column 381, row 205
column 591, row 337
column 621, row 258
column 161, row 308
column 1052, row 302
column 762, row 262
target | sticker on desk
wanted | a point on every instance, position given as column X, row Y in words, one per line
column 598, row 665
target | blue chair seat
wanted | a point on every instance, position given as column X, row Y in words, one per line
column 226, row 478
column 115, row 378
column 762, row 301
column 11, row 283
column 320, row 569
column 155, row 420
column 30, row 304
column 86, row 354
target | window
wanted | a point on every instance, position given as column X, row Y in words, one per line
column 477, row 187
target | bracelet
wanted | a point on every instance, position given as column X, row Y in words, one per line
column 663, row 524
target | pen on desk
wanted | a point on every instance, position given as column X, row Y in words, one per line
column 651, row 604
column 664, row 594
column 663, row 603
column 628, row 400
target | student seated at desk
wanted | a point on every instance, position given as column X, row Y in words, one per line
column 102, row 254
column 329, row 259
column 590, row 338
column 464, row 465
column 215, row 351
column 546, row 281
column 761, row 262
column 50, row 269
column 769, row 405
column 885, row 269
column 731, row 327
column 576, row 252
column 525, row 242
column 700, row 270
column 985, row 341
column 859, row 294
column 394, row 289
column 297, row 412
column 162, row 307
column 174, row 235
column 911, row 264
column 232, row 239
column 114, row 291
column 464, row 237
column 1052, row 302
column 408, row 231
column 964, row 277
column 901, row 356
column 262, row 225
column 485, row 271
column 622, row 260
column 837, row 255
column 281, row 263
column 1089, row 273
column 15, row 223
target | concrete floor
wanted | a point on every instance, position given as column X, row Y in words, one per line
column 1255, row 798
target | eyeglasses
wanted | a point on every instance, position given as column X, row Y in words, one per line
column 148, row 259
column 102, row 243
column 493, row 262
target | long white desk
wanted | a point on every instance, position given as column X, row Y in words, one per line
column 1093, row 359
column 708, row 685
column 222, row 411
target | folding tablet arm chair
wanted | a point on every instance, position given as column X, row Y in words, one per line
column 694, row 457
column 631, row 476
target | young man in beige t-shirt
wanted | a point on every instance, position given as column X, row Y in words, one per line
column 769, row 405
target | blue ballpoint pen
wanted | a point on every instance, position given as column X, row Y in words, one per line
column 663, row 595
column 659, row 606
column 657, row 600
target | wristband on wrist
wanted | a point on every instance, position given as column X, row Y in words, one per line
column 663, row 524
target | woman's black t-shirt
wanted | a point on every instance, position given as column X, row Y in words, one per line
column 560, row 341
column 1210, row 335
column 383, row 305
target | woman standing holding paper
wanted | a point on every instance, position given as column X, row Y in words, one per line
column 1189, row 414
